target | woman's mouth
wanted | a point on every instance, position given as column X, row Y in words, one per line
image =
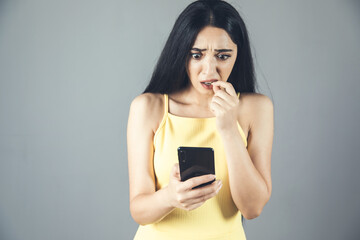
column 208, row 83
column 207, row 86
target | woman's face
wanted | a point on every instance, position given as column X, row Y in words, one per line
column 212, row 58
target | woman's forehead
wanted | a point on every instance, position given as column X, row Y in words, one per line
column 215, row 38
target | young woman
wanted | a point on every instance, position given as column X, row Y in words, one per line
column 201, row 94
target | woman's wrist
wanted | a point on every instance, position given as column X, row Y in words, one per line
column 165, row 197
column 228, row 131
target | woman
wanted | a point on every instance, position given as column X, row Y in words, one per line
column 193, row 99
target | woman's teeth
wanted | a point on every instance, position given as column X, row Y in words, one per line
column 208, row 83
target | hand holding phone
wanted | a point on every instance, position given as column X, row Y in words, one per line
column 186, row 194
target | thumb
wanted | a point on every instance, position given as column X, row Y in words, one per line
column 175, row 172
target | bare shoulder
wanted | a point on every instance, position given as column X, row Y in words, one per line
column 147, row 101
column 255, row 101
column 254, row 106
column 148, row 108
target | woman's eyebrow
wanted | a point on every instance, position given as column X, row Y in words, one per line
column 218, row 50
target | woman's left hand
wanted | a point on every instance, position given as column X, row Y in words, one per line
column 224, row 105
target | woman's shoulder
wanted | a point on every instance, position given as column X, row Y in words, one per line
column 144, row 99
column 149, row 107
column 251, row 100
column 251, row 107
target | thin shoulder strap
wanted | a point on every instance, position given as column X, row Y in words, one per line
column 238, row 94
column 163, row 118
column 166, row 104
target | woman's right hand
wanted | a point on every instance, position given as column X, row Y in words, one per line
column 181, row 195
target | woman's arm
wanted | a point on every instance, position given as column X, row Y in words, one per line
column 249, row 169
column 146, row 205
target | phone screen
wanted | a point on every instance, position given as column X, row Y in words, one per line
column 196, row 161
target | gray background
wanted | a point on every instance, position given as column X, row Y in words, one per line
column 69, row 70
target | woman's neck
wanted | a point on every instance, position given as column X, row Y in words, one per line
column 190, row 96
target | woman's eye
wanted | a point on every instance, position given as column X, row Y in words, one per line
column 223, row 57
column 196, row 55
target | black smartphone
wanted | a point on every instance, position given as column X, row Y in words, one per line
column 196, row 161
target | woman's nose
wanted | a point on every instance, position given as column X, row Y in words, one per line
column 209, row 65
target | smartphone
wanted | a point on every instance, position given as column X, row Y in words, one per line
column 196, row 161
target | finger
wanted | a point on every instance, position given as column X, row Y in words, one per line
column 177, row 168
column 196, row 181
column 178, row 176
column 216, row 108
column 226, row 85
column 194, row 206
column 204, row 192
column 216, row 88
column 175, row 171
column 191, row 196
column 228, row 98
column 223, row 103
column 203, row 198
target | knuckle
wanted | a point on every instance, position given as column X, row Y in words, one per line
column 212, row 192
column 180, row 199
column 195, row 181
column 197, row 205
column 202, row 193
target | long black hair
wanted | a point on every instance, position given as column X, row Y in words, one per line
column 170, row 73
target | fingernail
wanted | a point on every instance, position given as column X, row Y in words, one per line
column 218, row 188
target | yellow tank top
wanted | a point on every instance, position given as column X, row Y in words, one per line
column 218, row 217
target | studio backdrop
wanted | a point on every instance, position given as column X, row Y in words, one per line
column 69, row 70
